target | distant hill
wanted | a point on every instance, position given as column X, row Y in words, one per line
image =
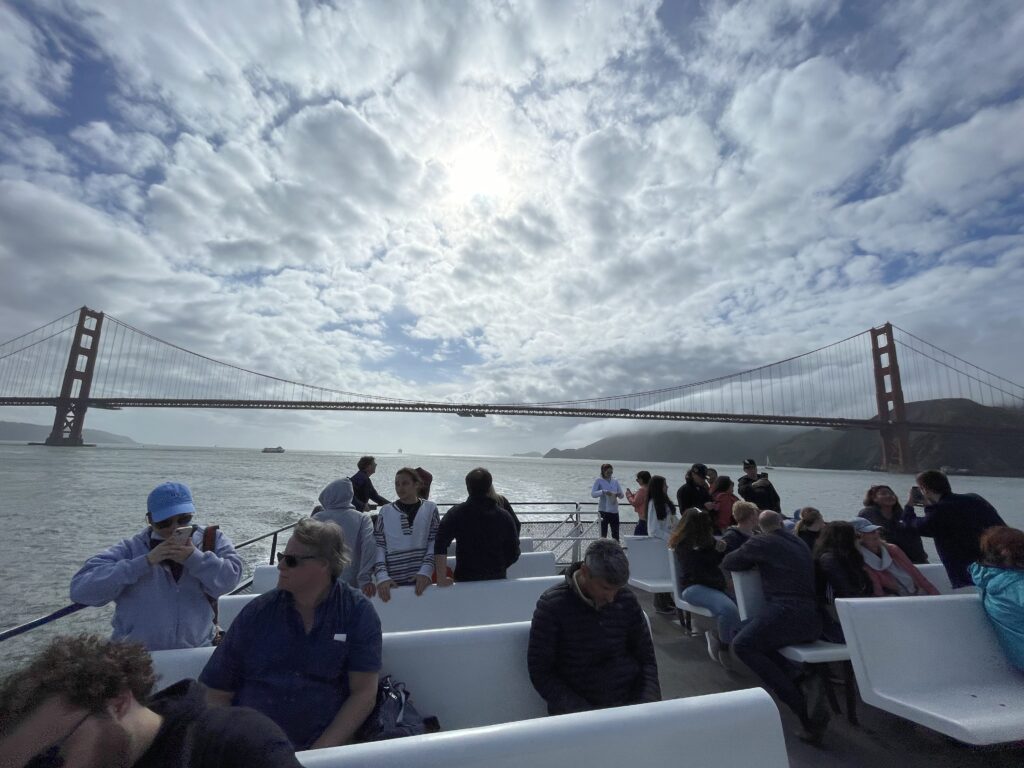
column 830, row 448
column 728, row 445
column 36, row 433
column 528, row 455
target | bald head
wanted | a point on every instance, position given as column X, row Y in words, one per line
column 769, row 521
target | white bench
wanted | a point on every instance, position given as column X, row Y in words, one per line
column 706, row 725
column 648, row 568
column 751, row 602
column 466, row 676
column 529, row 565
column 466, row 604
column 936, row 661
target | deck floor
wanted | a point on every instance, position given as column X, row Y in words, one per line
column 881, row 740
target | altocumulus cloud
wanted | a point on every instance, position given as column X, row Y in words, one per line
column 512, row 201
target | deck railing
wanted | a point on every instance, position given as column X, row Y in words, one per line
column 564, row 538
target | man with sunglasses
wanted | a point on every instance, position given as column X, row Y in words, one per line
column 85, row 702
column 161, row 580
column 307, row 654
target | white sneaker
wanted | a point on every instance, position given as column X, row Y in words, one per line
column 714, row 644
column 725, row 658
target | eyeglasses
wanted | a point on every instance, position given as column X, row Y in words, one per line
column 52, row 757
column 177, row 521
column 292, row 561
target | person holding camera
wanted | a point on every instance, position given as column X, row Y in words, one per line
column 954, row 520
column 757, row 488
column 164, row 580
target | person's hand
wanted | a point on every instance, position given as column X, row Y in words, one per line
column 384, row 590
column 369, row 589
column 169, row 549
column 445, row 581
column 422, row 582
column 720, row 545
column 762, row 483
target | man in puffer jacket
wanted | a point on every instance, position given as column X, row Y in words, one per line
column 590, row 646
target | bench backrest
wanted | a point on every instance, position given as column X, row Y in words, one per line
column 936, row 574
column 906, row 643
column 466, row 676
column 646, row 556
column 461, row 605
column 749, row 592
column 529, row 564
column 706, row 725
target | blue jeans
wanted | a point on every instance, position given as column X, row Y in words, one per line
column 720, row 604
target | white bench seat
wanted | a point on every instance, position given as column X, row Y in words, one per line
column 936, row 661
column 819, row 652
column 466, row 676
column 681, row 604
column 468, row 603
column 648, row 568
column 704, row 724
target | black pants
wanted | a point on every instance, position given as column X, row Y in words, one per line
column 612, row 519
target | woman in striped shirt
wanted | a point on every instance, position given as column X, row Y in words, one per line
column 404, row 532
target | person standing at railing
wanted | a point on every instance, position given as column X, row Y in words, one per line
column 362, row 486
column 694, row 491
column 607, row 491
column 405, row 532
column 357, row 530
column 164, row 580
column 639, row 501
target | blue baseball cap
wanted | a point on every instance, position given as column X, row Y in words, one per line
column 168, row 500
column 863, row 525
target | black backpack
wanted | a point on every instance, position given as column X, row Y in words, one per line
column 394, row 716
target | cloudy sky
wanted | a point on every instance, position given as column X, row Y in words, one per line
column 509, row 201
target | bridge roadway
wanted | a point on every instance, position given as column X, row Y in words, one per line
column 521, row 409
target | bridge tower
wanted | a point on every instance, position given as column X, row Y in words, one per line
column 891, row 407
column 74, row 392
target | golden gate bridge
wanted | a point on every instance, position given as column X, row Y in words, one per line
column 87, row 359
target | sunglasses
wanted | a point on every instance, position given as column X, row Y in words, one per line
column 292, row 561
column 177, row 521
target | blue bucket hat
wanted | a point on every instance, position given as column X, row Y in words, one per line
column 168, row 500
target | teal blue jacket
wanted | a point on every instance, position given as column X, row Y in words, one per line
column 1002, row 594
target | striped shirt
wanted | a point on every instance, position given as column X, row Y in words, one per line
column 405, row 548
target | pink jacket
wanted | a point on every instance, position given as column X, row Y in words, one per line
column 723, row 509
column 883, row 582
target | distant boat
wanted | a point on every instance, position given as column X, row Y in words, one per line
column 399, row 450
column 279, row 449
column 767, row 462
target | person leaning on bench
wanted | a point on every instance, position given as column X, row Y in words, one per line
column 85, row 701
column 308, row 653
column 486, row 533
column 590, row 647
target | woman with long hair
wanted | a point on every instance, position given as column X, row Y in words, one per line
column 723, row 497
column 999, row 575
column 404, row 533
column 882, row 508
column 701, row 580
column 661, row 512
column 639, row 501
column 607, row 491
column 839, row 572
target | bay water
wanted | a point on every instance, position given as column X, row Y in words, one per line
column 59, row 506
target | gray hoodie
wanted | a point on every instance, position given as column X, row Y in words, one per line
column 356, row 529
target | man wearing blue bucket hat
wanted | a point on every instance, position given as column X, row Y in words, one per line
column 164, row 580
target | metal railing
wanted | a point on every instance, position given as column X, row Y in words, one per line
column 575, row 525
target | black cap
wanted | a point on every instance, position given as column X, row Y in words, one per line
column 700, row 469
column 749, row 463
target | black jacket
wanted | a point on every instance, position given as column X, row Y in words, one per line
column 764, row 498
column 581, row 658
column 487, row 536
column 690, row 495
column 734, row 538
column 785, row 563
column 956, row 522
column 699, row 566
column 906, row 539
column 194, row 735
column 836, row 579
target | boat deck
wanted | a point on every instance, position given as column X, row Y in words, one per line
column 880, row 740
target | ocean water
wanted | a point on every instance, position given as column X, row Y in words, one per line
column 60, row 506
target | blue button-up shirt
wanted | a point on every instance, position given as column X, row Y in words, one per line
column 298, row 680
